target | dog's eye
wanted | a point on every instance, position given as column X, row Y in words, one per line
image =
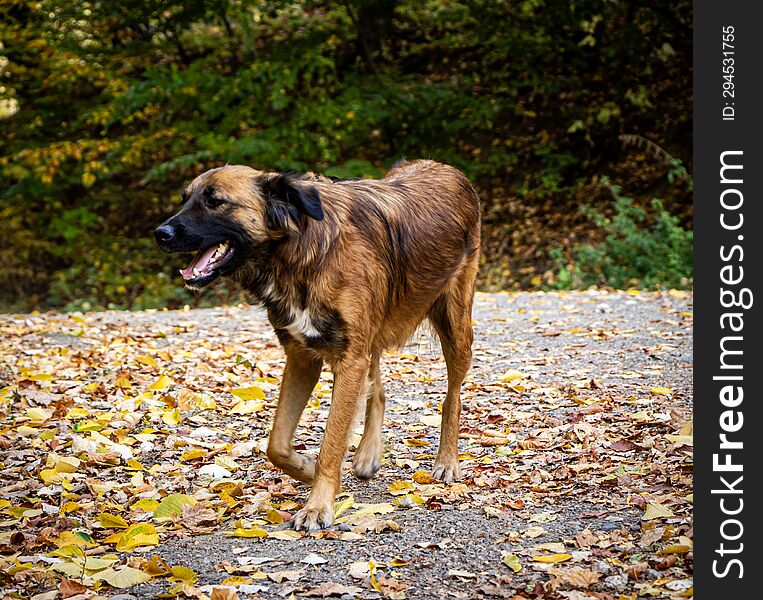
column 213, row 202
column 211, row 199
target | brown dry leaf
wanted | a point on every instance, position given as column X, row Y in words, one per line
column 281, row 576
column 223, row 593
column 586, row 538
column 391, row 588
column 578, row 577
column 69, row 587
column 326, row 590
column 197, row 518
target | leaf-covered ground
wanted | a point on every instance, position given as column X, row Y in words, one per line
column 131, row 459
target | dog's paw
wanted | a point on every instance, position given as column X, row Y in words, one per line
column 366, row 463
column 303, row 469
column 447, row 472
column 313, row 519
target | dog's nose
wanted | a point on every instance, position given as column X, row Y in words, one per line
column 164, row 233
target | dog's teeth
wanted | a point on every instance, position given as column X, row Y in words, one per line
column 195, row 271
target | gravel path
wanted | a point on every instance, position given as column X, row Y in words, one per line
column 547, row 367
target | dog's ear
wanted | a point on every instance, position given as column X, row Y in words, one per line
column 286, row 197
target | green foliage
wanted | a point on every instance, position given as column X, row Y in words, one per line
column 108, row 106
column 642, row 249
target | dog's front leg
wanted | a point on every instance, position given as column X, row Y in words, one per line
column 299, row 378
column 349, row 380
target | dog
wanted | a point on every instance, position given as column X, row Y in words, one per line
column 346, row 268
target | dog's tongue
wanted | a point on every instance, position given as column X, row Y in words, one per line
column 199, row 262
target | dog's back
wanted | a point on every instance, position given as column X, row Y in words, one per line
column 405, row 240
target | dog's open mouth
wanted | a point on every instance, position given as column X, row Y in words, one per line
column 206, row 265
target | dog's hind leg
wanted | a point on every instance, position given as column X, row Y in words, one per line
column 367, row 459
column 451, row 316
column 299, row 378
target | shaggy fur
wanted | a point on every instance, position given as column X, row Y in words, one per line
column 345, row 269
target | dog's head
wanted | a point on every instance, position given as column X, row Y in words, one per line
column 233, row 213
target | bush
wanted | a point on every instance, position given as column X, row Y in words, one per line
column 641, row 249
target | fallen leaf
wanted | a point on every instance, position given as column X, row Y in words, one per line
column 553, row 558
column 326, row 590
column 109, row 521
column 172, row 505
column 314, row 559
column 162, row 383
column 69, row 587
column 126, row 577
column 655, row 510
column 249, row 393
column 512, row 561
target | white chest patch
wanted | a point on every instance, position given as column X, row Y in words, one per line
column 301, row 325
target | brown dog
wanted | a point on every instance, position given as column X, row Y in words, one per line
column 345, row 269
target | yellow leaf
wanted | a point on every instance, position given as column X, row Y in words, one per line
column 161, row 383
column 553, row 558
column 147, row 360
column 415, row 442
column 70, row 551
column 89, row 425
column 88, row 179
column 343, row 505
column 254, row 532
column 661, row 391
column 193, row 454
column 236, row 580
column 415, row 498
column 171, row 417
column 249, row 393
column 109, row 521
column 97, row 564
column 512, row 561
column 68, row 507
column 423, row 477
column 123, row 383
column 247, row 407
column 124, row 578
column 156, row 567
column 38, row 416
column 140, row 534
column 145, row 505
column 400, row 487
column 50, row 476
column 172, row 505
column 273, row 516
column 227, row 463
column 76, row 413
column 381, row 508
column 67, row 464
column 78, row 538
column 511, row 375
column 40, row 377
column 183, row 574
